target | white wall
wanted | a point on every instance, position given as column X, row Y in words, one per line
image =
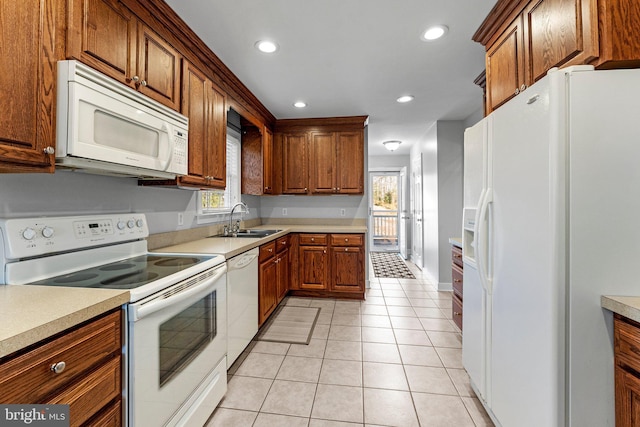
column 76, row 193
column 442, row 154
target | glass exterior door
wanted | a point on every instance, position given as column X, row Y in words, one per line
column 384, row 210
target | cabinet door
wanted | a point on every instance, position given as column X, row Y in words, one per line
column 267, row 161
column 102, row 34
column 313, row 267
column 295, row 179
column 350, row 163
column 196, row 107
column 283, row 264
column 322, row 167
column 27, row 86
column 267, row 296
column 556, row 32
column 158, row 68
column 505, row 66
column 217, row 134
column 627, row 398
column 346, row 269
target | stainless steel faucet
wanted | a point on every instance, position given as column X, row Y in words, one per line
column 232, row 229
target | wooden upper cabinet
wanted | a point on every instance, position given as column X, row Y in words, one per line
column 350, row 162
column 103, row 35
column 558, row 32
column 524, row 39
column 158, row 68
column 257, row 158
column 505, row 65
column 205, row 106
column 295, row 176
column 107, row 36
column 322, row 168
column 30, row 48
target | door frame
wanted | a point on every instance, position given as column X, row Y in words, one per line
column 388, row 170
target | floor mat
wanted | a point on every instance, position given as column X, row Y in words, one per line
column 290, row 324
column 391, row 265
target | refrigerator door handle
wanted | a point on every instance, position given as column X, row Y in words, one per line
column 482, row 239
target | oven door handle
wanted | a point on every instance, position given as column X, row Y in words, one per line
column 195, row 292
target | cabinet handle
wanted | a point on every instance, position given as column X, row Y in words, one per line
column 135, row 79
column 324, row 252
column 455, row 313
column 457, row 280
column 57, row 368
column 313, row 239
column 143, row 83
column 346, row 249
column 338, row 189
column 270, row 250
column 49, row 150
column 456, row 256
column 517, row 91
column 346, row 240
column 523, row 87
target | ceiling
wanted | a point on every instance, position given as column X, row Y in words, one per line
column 351, row 57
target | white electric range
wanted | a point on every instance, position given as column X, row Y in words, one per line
column 176, row 332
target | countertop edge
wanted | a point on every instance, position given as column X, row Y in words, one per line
column 53, row 324
column 456, row 241
column 627, row 306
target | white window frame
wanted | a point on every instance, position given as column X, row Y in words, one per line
column 232, row 192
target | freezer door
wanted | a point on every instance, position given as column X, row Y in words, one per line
column 605, row 177
column 524, row 367
column 475, row 149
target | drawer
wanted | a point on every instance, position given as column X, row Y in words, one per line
column 347, row 240
column 28, row 377
column 282, row 243
column 627, row 342
column 109, row 417
column 267, row 251
column 456, row 312
column 456, row 278
column 456, row 255
column 313, row 239
column 86, row 397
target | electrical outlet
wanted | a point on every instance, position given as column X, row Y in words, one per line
column 342, row 212
column 180, row 218
column 284, row 211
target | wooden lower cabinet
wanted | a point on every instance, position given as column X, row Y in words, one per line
column 90, row 382
column 457, row 282
column 627, row 371
column 314, row 266
column 346, row 274
column 273, row 276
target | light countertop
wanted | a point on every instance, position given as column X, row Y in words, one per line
column 29, row 314
column 626, row 306
column 456, row 241
column 232, row 246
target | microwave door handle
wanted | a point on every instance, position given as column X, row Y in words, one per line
column 166, row 133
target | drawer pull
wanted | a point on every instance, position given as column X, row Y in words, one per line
column 270, row 250
column 457, row 280
column 346, row 240
column 456, row 256
column 58, row 368
column 313, row 239
column 455, row 313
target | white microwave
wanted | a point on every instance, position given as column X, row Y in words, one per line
column 106, row 127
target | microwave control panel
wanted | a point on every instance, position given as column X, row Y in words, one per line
column 180, row 147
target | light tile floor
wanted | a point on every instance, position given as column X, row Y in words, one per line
column 394, row 359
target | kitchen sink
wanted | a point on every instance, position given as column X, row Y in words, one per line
column 256, row 234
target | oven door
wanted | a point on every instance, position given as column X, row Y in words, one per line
column 177, row 347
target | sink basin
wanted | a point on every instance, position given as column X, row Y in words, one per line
column 256, row 234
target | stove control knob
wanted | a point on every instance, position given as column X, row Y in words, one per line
column 29, row 233
column 47, row 232
column 121, row 225
column 131, row 223
column 139, row 223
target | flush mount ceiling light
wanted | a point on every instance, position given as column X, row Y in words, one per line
column 405, row 98
column 266, row 46
column 435, row 32
column 299, row 104
column 391, row 145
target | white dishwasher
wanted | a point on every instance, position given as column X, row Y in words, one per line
column 242, row 302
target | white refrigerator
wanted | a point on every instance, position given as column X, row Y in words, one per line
column 552, row 198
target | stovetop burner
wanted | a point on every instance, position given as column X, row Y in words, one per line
column 126, row 274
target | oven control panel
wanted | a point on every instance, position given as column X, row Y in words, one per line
column 29, row 237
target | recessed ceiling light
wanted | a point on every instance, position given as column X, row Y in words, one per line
column 435, row 32
column 405, row 98
column 299, row 104
column 266, row 46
